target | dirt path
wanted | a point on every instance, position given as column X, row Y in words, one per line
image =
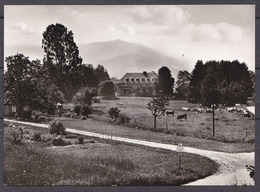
column 232, row 165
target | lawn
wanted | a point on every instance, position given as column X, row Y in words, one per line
column 230, row 127
column 97, row 163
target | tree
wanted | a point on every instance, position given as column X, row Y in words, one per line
column 84, row 96
column 106, row 88
column 27, row 87
column 165, row 81
column 101, row 73
column 158, row 106
column 194, row 86
column 233, row 82
column 183, row 81
column 61, row 59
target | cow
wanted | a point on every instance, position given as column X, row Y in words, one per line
column 169, row 112
column 209, row 110
column 120, row 103
column 247, row 115
column 237, row 105
column 185, row 109
column 231, row 109
column 199, row 111
column 180, row 117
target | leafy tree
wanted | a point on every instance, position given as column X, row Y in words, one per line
column 88, row 76
column 101, row 73
column 61, row 59
column 157, row 106
column 183, row 81
column 27, row 87
column 84, row 96
column 165, row 81
column 233, row 82
column 106, row 88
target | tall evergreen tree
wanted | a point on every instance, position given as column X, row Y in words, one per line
column 197, row 78
column 165, row 81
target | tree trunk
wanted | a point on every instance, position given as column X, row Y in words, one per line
column 154, row 124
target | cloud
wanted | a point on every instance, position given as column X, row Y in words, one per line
column 215, row 32
column 22, row 26
column 159, row 15
column 122, row 28
column 70, row 11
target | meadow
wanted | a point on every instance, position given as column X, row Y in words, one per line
column 229, row 127
column 96, row 162
column 233, row 132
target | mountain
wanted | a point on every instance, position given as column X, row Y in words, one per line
column 120, row 57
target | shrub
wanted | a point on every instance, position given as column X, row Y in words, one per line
column 17, row 135
column 41, row 118
column 36, row 118
column 77, row 109
column 96, row 100
column 123, row 118
column 83, row 118
column 47, row 138
column 68, row 114
column 37, row 137
column 251, row 170
column 113, row 112
column 81, row 140
column 58, row 141
column 56, row 127
column 85, row 110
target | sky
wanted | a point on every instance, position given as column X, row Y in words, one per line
column 193, row 32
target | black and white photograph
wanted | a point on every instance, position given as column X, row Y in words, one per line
column 129, row 95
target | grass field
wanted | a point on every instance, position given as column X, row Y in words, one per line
column 97, row 163
column 230, row 127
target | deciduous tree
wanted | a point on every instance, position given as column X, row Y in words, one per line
column 157, row 106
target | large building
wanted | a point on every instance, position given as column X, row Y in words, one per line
column 136, row 84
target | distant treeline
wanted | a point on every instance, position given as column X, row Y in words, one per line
column 226, row 82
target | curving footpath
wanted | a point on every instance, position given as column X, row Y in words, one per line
column 232, row 169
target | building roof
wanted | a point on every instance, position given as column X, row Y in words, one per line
column 143, row 75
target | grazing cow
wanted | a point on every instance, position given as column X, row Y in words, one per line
column 169, row 112
column 199, row 111
column 180, row 117
column 237, row 105
column 231, row 109
column 185, row 109
column 247, row 115
column 239, row 110
column 209, row 110
column 120, row 103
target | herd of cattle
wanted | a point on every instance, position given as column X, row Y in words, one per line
column 237, row 109
column 220, row 108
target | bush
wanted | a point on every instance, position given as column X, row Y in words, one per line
column 17, row 135
column 123, row 119
column 56, row 127
column 113, row 112
column 35, row 118
column 68, row 114
column 96, row 100
column 59, row 141
column 85, row 110
column 37, row 137
column 77, row 109
column 41, row 118
column 83, row 118
column 81, row 140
